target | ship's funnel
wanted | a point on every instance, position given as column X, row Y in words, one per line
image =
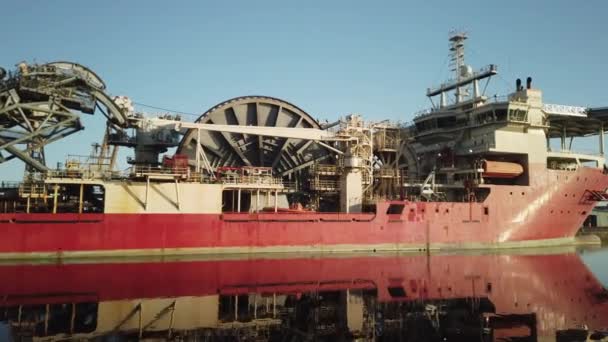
column 518, row 85
column 529, row 83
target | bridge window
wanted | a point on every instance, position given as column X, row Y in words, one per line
column 501, row 114
column 426, row 125
column 518, row 115
column 446, row 122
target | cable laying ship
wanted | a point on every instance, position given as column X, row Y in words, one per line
column 258, row 174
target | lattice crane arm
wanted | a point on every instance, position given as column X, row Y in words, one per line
column 41, row 103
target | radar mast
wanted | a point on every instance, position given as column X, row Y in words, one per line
column 464, row 77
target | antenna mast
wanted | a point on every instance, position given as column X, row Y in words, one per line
column 464, row 78
column 457, row 61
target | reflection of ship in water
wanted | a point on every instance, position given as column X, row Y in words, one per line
column 417, row 297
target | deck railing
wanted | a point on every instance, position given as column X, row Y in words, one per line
column 577, row 151
column 9, row 185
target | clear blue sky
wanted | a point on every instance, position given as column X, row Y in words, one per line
column 329, row 57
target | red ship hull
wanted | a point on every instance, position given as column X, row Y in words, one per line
column 547, row 212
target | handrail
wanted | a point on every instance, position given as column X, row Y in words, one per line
column 147, row 169
column 10, row 184
column 582, row 152
column 428, row 111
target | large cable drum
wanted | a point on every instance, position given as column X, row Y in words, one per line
column 222, row 149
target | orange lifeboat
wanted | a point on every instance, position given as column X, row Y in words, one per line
column 498, row 169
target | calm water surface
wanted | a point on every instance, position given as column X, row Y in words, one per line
column 544, row 295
